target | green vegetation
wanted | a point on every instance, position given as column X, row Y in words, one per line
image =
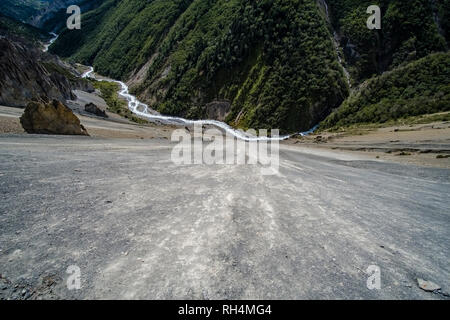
column 11, row 27
column 409, row 31
column 53, row 67
column 21, row 10
column 55, row 21
column 48, row 15
column 423, row 119
column 444, row 18
column 418, row 88
column 364, row 128
column 108, row 91
column 274, row 60
column 119, row 35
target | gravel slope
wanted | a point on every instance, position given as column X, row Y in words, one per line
column 139, row 226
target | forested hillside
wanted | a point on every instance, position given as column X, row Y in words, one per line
column 54, row 17
column 48, row 15
column 406, row 77
column 410, row 30
column 21, row 10
column 418, row 88
column 263, row 63
column 13, row 28
column 272, row 62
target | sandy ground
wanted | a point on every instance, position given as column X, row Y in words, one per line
column 114, row 127
column 10, row 125
column 420, row 144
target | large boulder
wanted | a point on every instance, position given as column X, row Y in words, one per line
column 43, row 116
column 92, row 108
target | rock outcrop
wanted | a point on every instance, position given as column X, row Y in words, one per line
column 27, row 73
column 51, row 117
column 92, row 108
column 218, row 109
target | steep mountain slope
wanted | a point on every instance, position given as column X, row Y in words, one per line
column 267, row 63
column 27, row 73
column 259, row 64
column 49, row 15
column 13, row 28
column 410, row 30
column 420, row 87
column 53, row 18
column 21, row 10
column 405, row 77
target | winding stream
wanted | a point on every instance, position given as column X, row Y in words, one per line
column 142, row 110
column 50, row 42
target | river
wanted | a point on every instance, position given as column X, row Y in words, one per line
column 141, row 109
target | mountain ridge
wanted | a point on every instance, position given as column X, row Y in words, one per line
column 215, row 51
column 256, row 64
column 27, row 73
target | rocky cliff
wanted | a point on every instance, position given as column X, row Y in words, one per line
column 26, row 73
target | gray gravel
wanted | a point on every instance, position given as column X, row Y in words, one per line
column 139, row 226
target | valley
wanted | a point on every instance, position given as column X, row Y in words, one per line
column 362, row 171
